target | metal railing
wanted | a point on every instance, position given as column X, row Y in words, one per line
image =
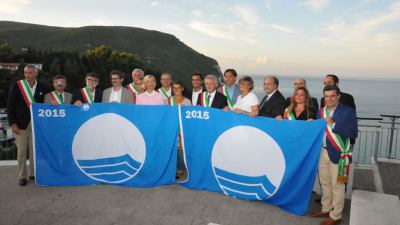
column 8, row 150
column 377, row 138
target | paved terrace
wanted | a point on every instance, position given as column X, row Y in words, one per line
column 106, row 204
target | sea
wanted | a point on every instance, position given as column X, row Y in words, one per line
column 372, row 97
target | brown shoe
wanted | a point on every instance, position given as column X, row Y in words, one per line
column 330, row 221
column 319, row 214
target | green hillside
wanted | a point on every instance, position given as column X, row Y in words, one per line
column 158, row 51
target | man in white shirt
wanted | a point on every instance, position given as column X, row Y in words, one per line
column 59, row 95
column 197, row 84
column 117, row 93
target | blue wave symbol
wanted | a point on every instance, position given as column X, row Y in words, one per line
column 244, row 187
column 112, row 170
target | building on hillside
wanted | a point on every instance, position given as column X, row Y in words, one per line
column 9, row 66
column 14, row 66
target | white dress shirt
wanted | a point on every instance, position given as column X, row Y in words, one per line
column 115, row 96
column 211, row 97
column 195, row 96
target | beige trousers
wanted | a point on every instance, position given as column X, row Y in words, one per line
column 23, row 140
column 333, row 193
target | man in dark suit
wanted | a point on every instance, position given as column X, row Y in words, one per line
column 335, row 158
column 345, row 98
column 22, row 94
column 197, row 87
column 211, row 97
column 273, row 104
column 302, row 83
column 88, row 94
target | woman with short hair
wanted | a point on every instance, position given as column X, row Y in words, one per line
column 150, row 96
column 247, row 102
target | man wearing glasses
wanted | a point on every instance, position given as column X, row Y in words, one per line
column 89, row 93
column 117, row 93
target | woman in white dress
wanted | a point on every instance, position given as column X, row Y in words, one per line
column 247, row 103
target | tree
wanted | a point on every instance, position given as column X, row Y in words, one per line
column 73, row 73
column 103, row 59
column 5, row 51
column 55, row 67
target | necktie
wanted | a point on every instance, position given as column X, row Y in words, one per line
column 264, row 101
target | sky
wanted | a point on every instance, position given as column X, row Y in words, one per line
column 359, row 38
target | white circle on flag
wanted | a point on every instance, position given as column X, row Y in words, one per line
column 109, row 148
column 250, row 152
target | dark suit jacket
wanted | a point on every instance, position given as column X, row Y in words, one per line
column 17, row 110
column 345, row 125
column 218, row 102
column 345, row 98
column 274, row 106
column 77, row 95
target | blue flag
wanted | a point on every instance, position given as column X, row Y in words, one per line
column 120, row 144
column 251, row 158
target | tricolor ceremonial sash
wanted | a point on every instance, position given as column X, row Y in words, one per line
column 224, row 91
column 132, row 87
column 164, row 93
column 26, row 92
column 342, row 147
column 172, row 100
column 87, row 96
column 204, row 99
column 57, row 97
column 288, row 116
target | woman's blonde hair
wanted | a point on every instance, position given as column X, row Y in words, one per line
column 148, row 78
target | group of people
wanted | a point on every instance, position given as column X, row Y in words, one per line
column 337, row 108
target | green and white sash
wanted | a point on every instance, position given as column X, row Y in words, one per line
column 204, row 99
column 224, row 90
column 288, row 116
column 57, row 97
column 172, row 100
column 132, row 87
column 87, row 96
column 341, row 146
column 164, row 93
column 26, row 92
